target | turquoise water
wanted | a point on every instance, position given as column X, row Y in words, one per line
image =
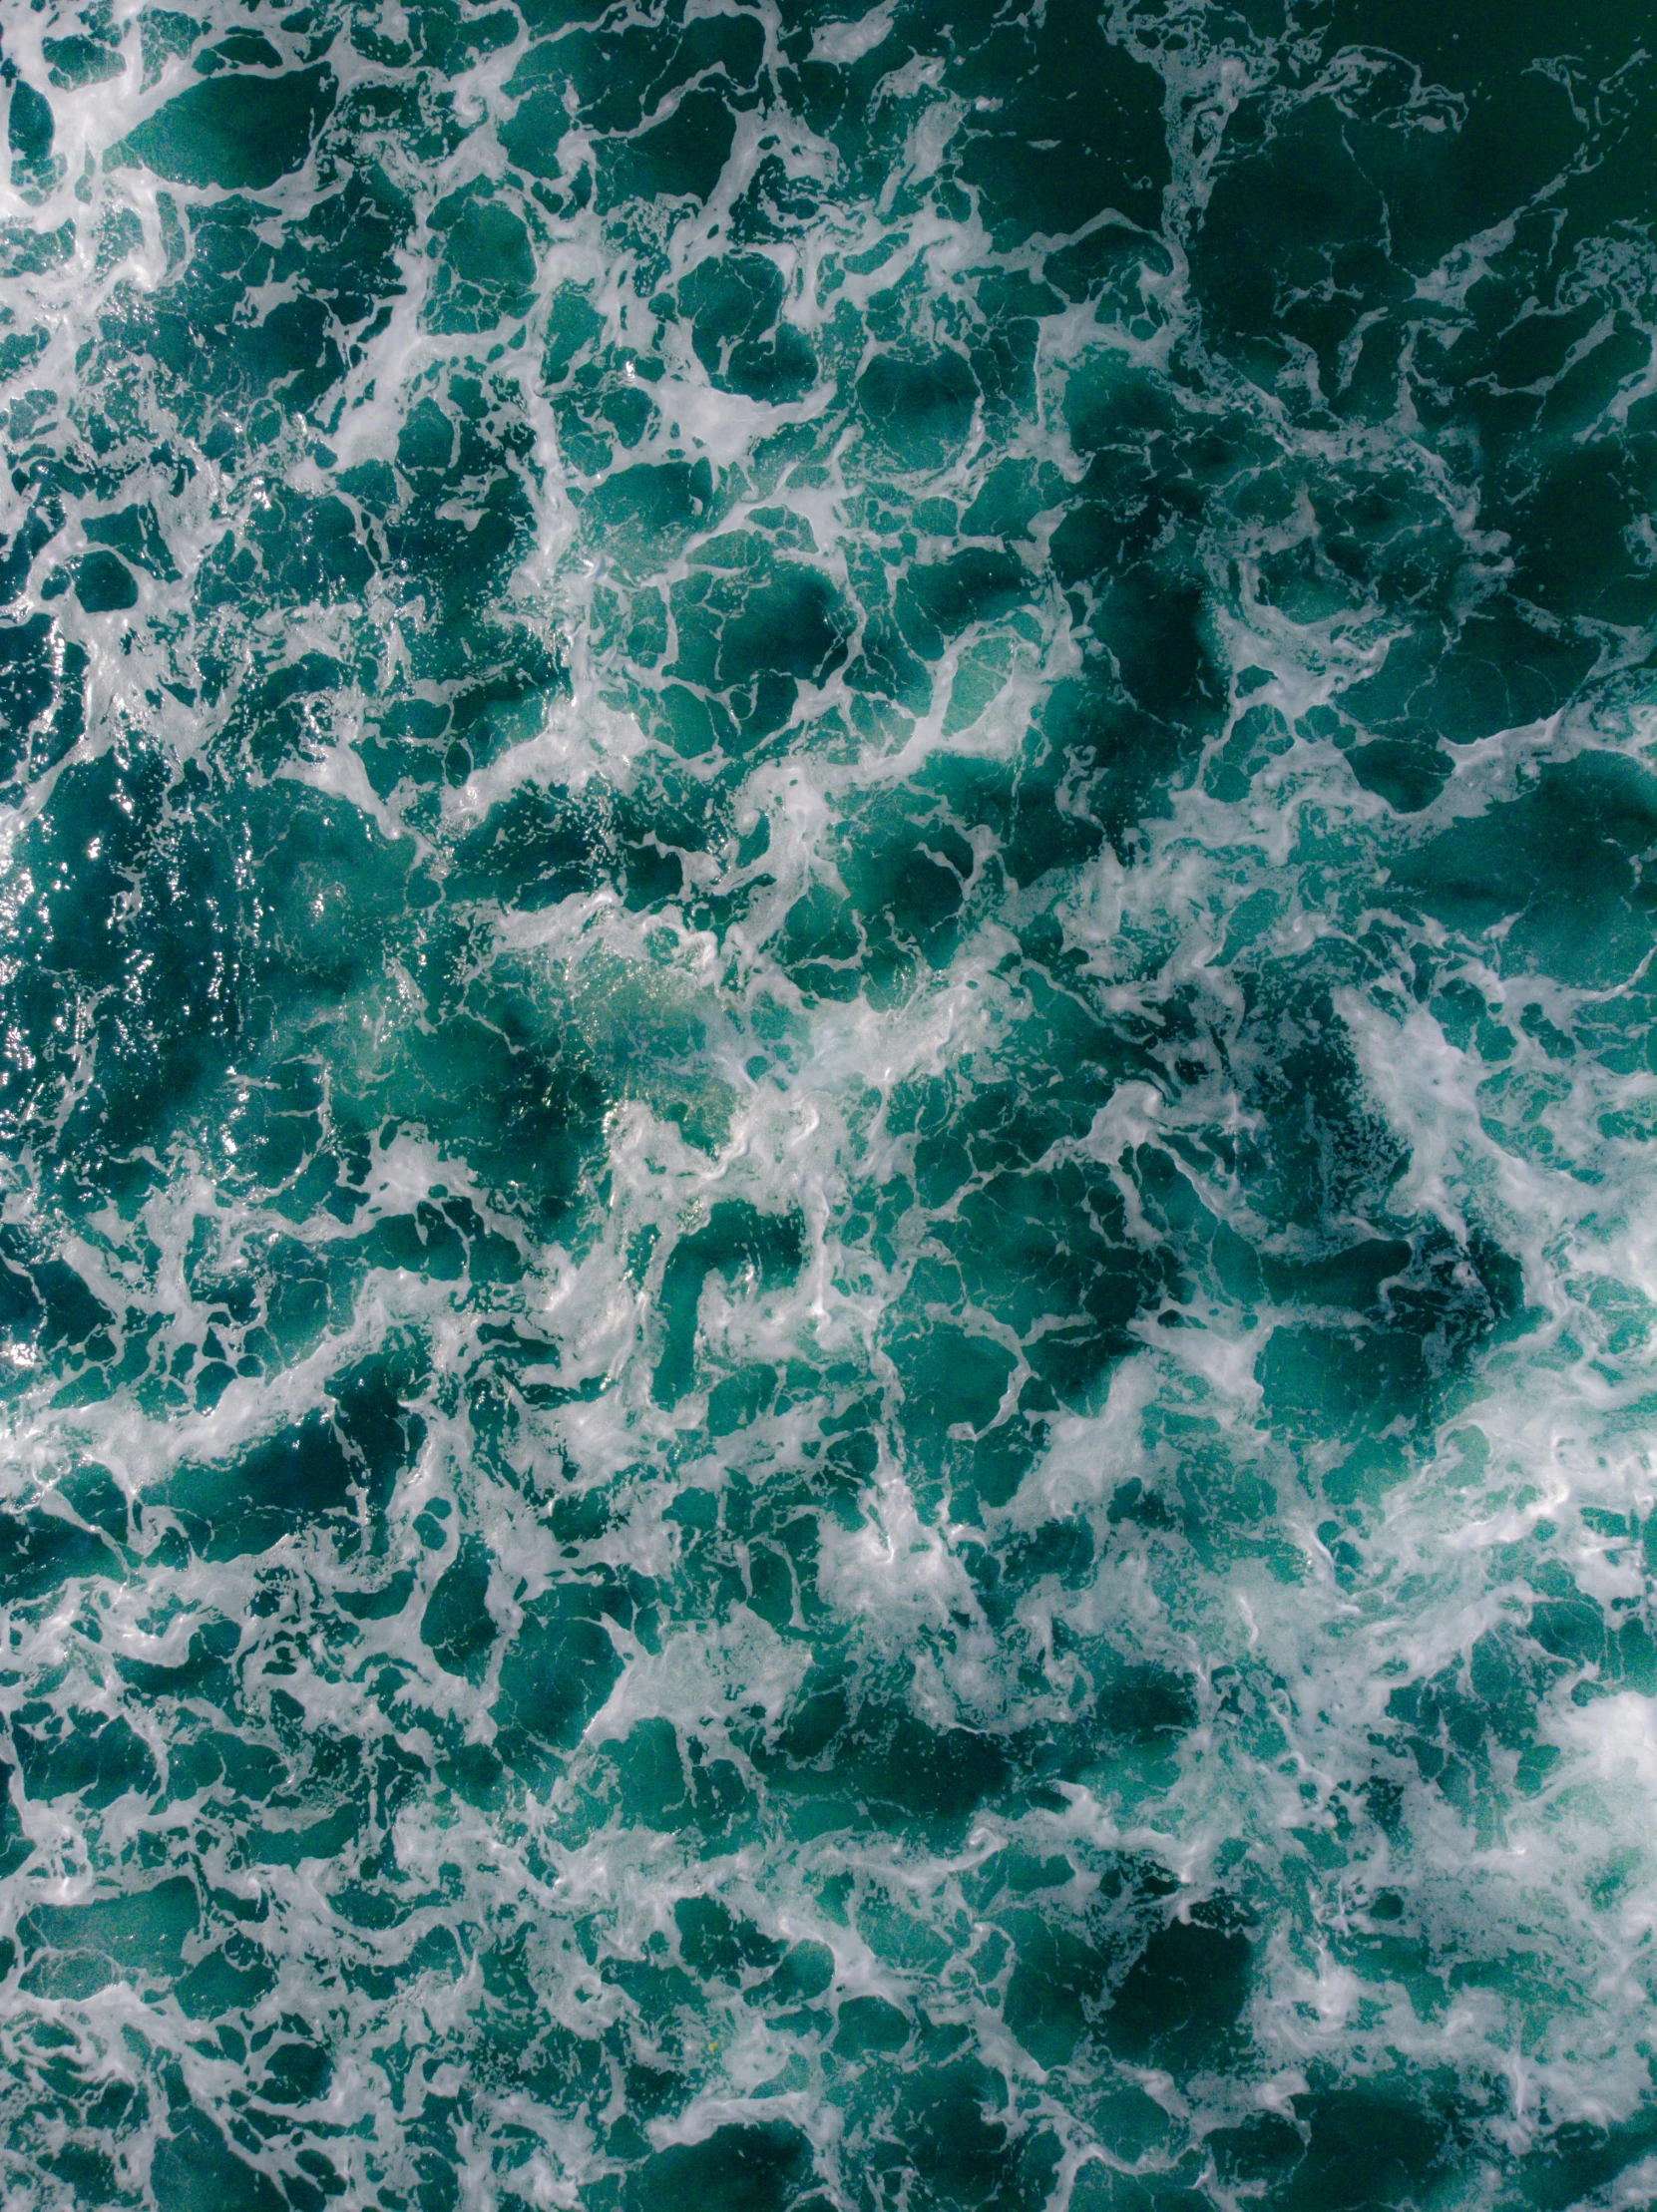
column 829, row 1218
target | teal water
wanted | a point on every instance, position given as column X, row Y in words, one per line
column 828, row 1134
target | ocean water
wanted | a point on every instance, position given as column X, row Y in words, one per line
column 827, row 1126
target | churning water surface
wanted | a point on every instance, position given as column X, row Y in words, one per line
column 827, row 1122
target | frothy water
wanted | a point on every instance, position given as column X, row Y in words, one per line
column 830, row 1223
